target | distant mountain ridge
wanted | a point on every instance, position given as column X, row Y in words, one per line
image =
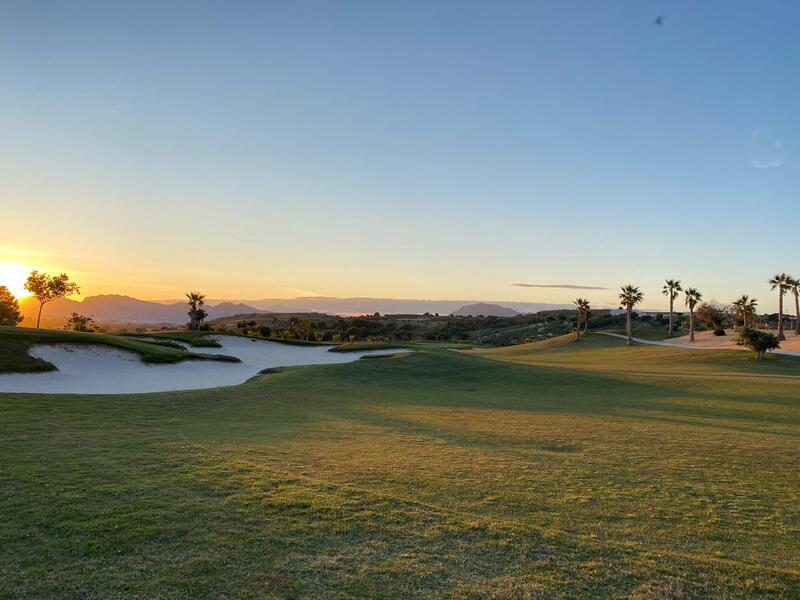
column 114, row 308
column 483, row 309
column 395, row 306
column 110, row 308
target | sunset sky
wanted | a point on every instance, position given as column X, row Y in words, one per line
column 401, row 149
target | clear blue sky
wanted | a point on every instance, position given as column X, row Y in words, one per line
column 406, row 149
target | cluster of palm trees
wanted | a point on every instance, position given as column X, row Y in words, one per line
column 631, row 295
column 196, row 312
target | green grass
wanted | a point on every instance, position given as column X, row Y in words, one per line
column 551, row 470
column 198, row 339
column 15, row 342
column 646, row 330
column 361, row 346
column 606, row 354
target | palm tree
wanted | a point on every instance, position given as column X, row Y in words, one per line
column 671, row 289
column 587, row 312
column 692, row 298
column 781, row 283
column 629, row 297
column 583, row 310
column 196, row 301
column 578, row 302
column 747, row 308
column 794, row 287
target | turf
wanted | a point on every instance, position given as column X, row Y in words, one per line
column 198, row 339
column 15, row 342
column 427, row 474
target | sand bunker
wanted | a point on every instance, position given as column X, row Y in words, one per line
column 89, row 369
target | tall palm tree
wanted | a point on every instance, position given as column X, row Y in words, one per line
column 692, row 297
column 671, row 289
column 587, row 312
column 630, row 296
column 583, row 310
column 794, row 287
column 196, row 301
column 747, row 308
column 780, row 282
column 578, row 302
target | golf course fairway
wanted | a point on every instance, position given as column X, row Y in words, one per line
column 556, row 469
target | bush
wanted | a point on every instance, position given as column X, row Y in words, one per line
column 80, row 323
column 759, row 342
column 719, row 331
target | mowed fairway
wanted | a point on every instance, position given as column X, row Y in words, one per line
column 550, row 470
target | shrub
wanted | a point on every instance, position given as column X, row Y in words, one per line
column 719, row 331
column 80, row 323
column 759, row 342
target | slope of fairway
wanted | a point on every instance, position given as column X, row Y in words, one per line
column 436, row 473
column 604, row 353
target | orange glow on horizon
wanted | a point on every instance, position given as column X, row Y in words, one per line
column 13, row 276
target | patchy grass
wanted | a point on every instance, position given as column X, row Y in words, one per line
column 438, row 473
column 16, row 341
column 362, row 346
column 646, row 330
column 198, row 339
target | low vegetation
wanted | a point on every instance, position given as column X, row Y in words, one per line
column 760, row 342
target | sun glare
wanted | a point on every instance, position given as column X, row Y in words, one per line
column 13, row 276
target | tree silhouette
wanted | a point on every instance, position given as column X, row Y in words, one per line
column 9, row 308
column 47, row 288
column 196, row 302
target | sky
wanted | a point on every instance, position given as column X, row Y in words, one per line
column 401, row 149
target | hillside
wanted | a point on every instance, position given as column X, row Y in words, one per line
column 483, row 309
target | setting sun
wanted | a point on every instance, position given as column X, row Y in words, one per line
column 13, row 276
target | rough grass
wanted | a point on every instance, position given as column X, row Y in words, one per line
column 198, row 339
column 436, row 473
column 16, row 341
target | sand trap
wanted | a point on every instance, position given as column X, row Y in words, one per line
column 90, row 369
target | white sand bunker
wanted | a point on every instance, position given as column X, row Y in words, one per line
column 90, row 369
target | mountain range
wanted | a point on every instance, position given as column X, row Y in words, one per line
column 112, row 308
column 123, row 309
